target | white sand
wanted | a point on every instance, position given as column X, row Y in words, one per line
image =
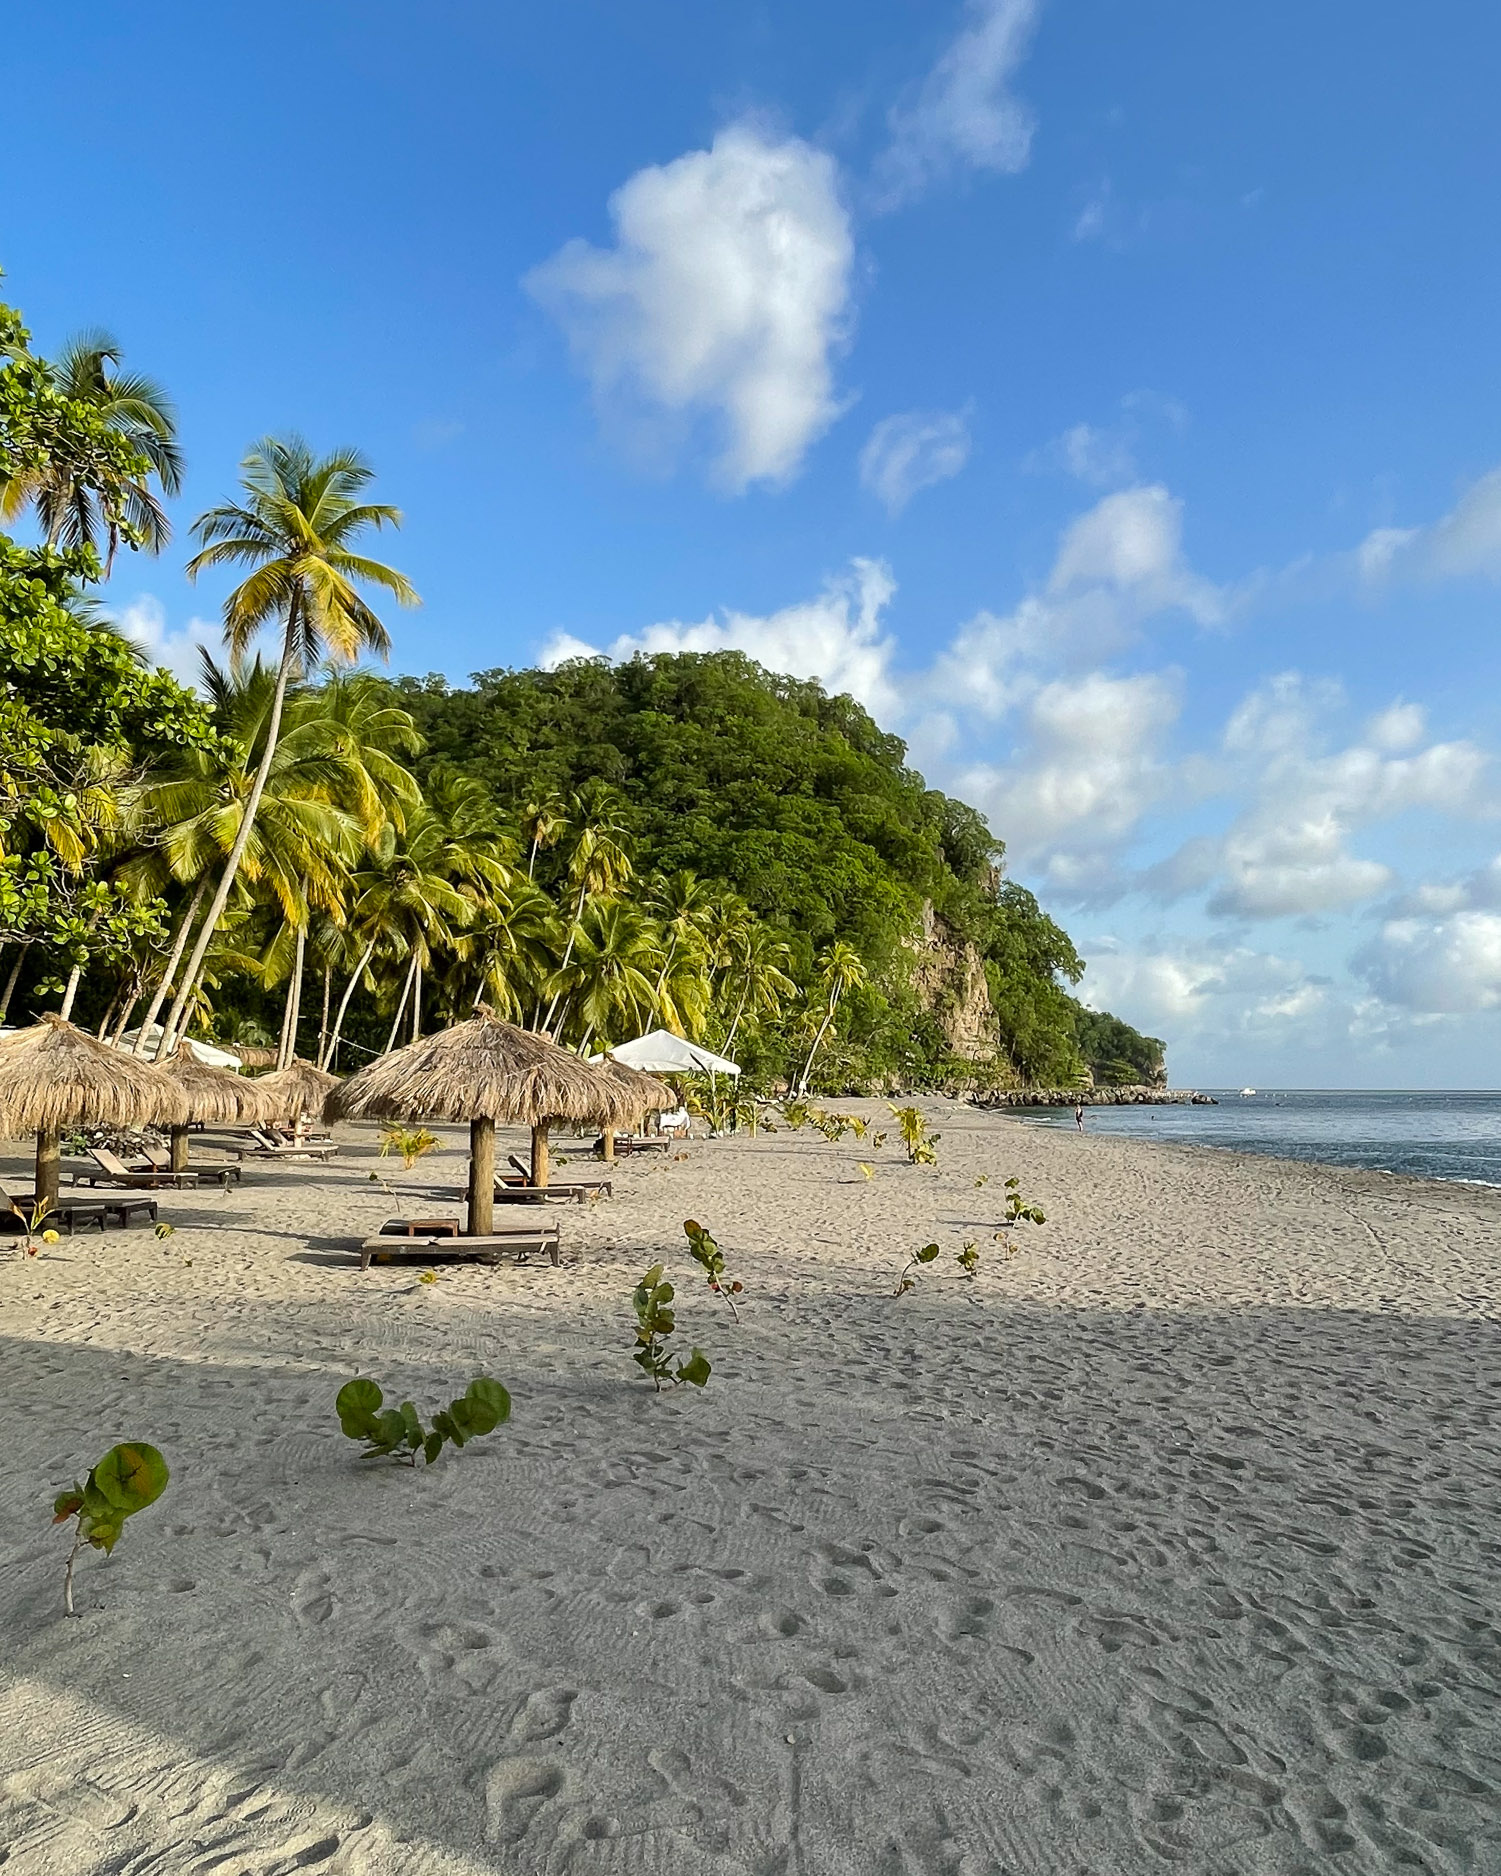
column 1170, row 1544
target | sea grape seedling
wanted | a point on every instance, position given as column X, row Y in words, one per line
column 127, row 1479
column 410, row 1142
column 908, row 1279
column 1018, row 1211
column 704, row 1251
column 655, row 1321
column 968, row 1259
column 397, row 1433
column 922, row 1146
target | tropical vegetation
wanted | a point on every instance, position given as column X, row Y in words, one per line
column 299, row 855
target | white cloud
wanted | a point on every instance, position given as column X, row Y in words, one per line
column 1439, row 966
column 964, row 115
column 1287, row 854
column 836, row 638
column 1205, row 992
column 913, row 451
column 1088, row 766
column 725, row 294
column 145, row 621
column 1090, row 454
column 1463, row 544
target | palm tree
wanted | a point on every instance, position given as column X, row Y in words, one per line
column 294, row 529
column 543, row 822
column 72, row 506
column 609, row 980
column 839, row 969
column 599, row 867
column 761, row 963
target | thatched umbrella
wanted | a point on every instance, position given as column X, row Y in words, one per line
column 250, row 1056
column 54, row 1076
column 215, row 1096
column 646, row 1094
column 297, row 1091
column 483, row 1071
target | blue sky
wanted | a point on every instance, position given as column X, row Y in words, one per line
column 1104, row 393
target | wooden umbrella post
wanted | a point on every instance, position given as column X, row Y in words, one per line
column 48, row 1150
column 179, row 1159
column 539, row 1155
column 608, row 1135
column 481, row 1178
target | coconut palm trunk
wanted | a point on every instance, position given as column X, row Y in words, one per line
column 11, row 981
column 179, row 945
column 349, row 989
column 823, row 1030
column 177, row 1018
column 294, row 1002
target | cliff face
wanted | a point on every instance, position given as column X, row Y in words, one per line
column 949, row 978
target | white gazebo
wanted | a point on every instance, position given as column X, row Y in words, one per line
column 663, row 1053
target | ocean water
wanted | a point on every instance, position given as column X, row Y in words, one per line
column 1432, row 1134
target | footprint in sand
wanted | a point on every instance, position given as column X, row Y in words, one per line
column 544, row 1715
column 517, row 1793
column 312, row 1598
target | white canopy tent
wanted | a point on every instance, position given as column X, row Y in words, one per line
column 204, row 1051
column 662, row 1053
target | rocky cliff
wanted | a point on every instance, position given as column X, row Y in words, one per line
column 949, row 977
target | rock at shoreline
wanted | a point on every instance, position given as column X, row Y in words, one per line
column 1138, row 1095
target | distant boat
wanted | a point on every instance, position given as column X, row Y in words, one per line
column 1246, row 1093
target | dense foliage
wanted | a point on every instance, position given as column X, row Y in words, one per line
column 680, row 841
column 806, row 810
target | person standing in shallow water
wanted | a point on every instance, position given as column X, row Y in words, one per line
column 1079, row 1116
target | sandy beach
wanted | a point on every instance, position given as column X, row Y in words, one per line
column 1171, row 1542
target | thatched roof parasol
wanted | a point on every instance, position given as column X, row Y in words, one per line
column 297, row 1089
column 217, row 1094
column 53, row 1076
column 250, row 1055
column 646, row 1094
column 483, row 1071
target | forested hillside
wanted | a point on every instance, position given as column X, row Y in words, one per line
column 804, row 808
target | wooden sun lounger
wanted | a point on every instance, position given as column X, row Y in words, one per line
column 225, row 1172
column 635, row 1143
column 71, row 1214
column 266, row 1147
column 113, row 1171
column 428, row 1239
column 566, row 1191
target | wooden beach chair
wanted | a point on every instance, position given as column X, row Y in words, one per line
column 73, row 1214
column 225, row 1172
column 112, row 1170
column 517, row 1188
column 429, row 1239
column 267, row 1146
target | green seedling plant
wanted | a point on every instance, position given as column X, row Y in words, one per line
column 126, row 1480
column 705, row 1252
column 908, row 1279
column 33, row 1234
column 922, row 1146
column 878, row 1140
column 968, row 1259
column 410, row 1142
column 1019, row 1211
column 655, row 1321
column 397, row 1432
column 796, row 1115
column 866, row 1168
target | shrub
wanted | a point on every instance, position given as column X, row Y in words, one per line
column 397, row 1433
column 922, row 1146
column 704, row 1251
column 126, row 1480
column 655, row 1321
column 410, row 1142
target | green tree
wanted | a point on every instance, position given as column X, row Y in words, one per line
column 839, row 969
column 295, row 527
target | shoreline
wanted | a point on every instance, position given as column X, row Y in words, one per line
column 1199, row 1482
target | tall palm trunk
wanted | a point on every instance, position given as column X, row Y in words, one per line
column 823, row 1030
column 328, row 981
column 179, row 944
column 183, row 1003
column 573, row 932
column 75, row 977
column 359, row 971
column 10, row 982
column 288, row 1045
column 401, row 1007
column 740, row 1011
column 417, row 998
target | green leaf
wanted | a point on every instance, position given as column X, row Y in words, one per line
column 489, row 1402
column 411, row 1425
column 357, row 1403
column 130, row 1476
column 66, row 1504
column 444, row 1423
column 104, row 1532
column 696, row 1370
column 432, row 1446
column 927, row 1254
